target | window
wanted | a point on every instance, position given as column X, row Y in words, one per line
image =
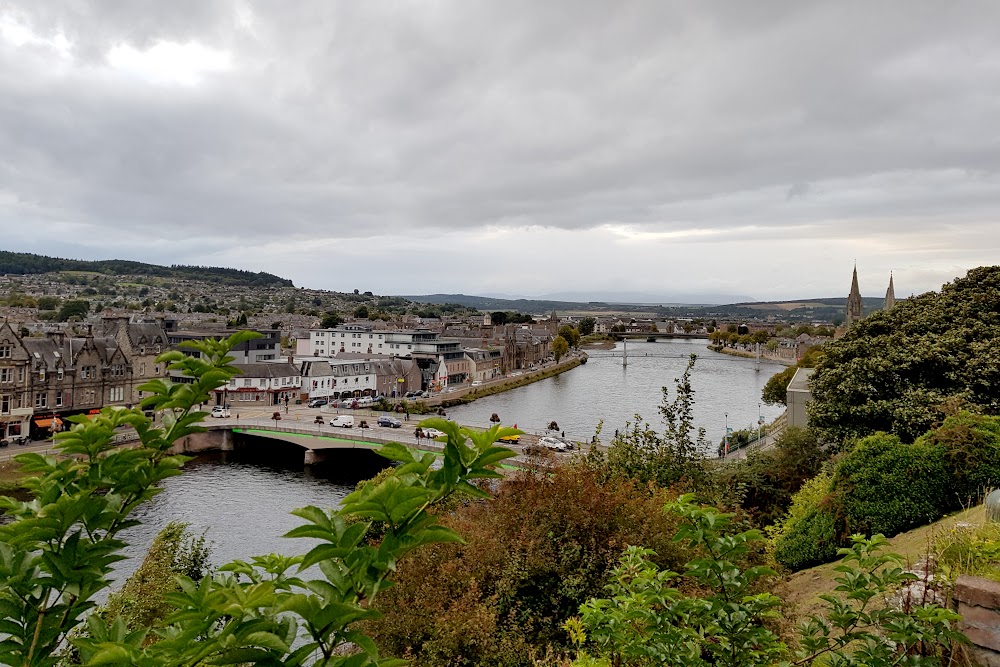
column 5, row 404
column 60, row 374
column 6, row 351
column 6, row 375
column 246, row 382
column 142, row 368
column 263, row 382
column 59, row 399
column 117, row 370
column 88, row 397
column 20, row 374
column 88, row 372
column 41, row 399
column 116, row 394
column 41, row 373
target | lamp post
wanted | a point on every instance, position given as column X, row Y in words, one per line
column 760, row 424
column 726, row 439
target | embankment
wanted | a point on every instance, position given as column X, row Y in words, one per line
column 470, row 394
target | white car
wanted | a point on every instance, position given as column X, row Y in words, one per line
column 555, row 444
column 432, row 433
column 220, row 412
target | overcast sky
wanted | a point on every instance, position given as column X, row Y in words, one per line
column 521, row 147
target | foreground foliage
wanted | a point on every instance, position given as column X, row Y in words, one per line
column 57, row 553
column 648, row 621
column 542, row 545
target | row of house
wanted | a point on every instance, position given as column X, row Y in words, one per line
column 44, row 379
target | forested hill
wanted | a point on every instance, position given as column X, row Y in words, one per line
column 20, row 263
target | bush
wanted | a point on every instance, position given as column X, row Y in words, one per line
column 541, row 547
column 765, row 482
column 812, row 540
column 971, row 446
column 885, row 486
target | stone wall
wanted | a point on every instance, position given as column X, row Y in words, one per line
column 215, row 439
column 978, row 601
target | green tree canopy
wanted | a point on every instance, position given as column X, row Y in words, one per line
column 587, row 325
column 73, row 308
column 895, row 371
column 331, row 319
column 571, row 335
column 559, row 347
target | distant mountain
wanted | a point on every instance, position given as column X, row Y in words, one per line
column 648, row 298
column 22, row 263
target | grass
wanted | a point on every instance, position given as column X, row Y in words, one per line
column 802, row 589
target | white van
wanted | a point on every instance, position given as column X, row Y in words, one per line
column 346, row 421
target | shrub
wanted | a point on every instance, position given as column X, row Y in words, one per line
column 542, row 546
column 765, row 482
column 971, row 446
column 811, row 541
column 885, row 486
column 807, row 535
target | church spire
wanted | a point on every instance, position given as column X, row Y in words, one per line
column 855, row 307
column 890, row 295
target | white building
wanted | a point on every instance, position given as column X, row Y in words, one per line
column 263, row 384
column 337, row 378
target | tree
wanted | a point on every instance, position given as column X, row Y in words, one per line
column 331, row 320
column 775, row 391
column 571, row 335
column 559, row 347
column 48, row 302
column 896, row 370
column 57, row 552
column 361, row 312
column 587, row 326
column 74, row 308
column 498, row 318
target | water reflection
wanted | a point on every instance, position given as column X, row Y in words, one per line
column 604, row 390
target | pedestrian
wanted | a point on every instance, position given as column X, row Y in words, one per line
column 407, row 415
column 563, row 434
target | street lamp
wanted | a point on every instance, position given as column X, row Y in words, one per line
column 760, row 424
column 726, row 439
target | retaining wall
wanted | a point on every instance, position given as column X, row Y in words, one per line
column 978, row 601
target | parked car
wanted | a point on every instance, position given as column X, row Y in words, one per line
column 365, row 402
column 317, row 402
column 554, row 444
column 510, row 439
column 476, row 383
column 432, row 433
column 344, row 421
column 221, row 411
column 391, row 422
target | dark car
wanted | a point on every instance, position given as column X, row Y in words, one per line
column 317, row 402
column 391, row 422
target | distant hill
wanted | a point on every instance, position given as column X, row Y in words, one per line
column 20, row 263
column 824, row 309
column 648, row 298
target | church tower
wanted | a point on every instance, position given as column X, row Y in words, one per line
column 855, row 308
column 890, row 295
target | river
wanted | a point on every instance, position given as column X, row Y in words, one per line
column 242, row 499
column 603, row 389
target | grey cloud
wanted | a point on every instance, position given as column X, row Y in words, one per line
column 338, row 118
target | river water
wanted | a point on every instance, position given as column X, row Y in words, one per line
column 242, row 500
column 604, row 389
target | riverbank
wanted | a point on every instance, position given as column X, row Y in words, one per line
column 750, row 355
column 469, row 394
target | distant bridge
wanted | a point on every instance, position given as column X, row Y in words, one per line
column 651, row 336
